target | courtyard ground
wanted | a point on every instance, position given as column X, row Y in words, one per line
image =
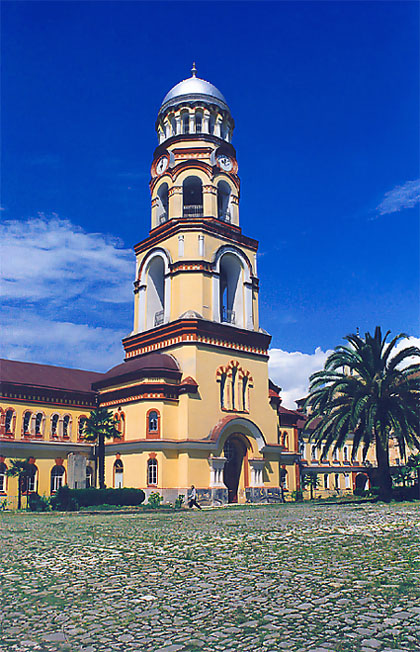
column 284, row 577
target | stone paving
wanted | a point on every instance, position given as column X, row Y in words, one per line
column 304, row 578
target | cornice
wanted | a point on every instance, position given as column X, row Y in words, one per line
column 57, row 397
column 208, row 224
column 183, row 332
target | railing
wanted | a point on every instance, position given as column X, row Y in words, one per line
column 159, row 316
column 193, row 210
column 228, row 316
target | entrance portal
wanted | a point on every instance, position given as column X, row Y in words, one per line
column 234, row 450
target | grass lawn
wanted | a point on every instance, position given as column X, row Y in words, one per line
column 281, row 577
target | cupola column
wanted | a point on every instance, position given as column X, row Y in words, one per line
column 218, row 126
column 192, row 121
column 206, row 121
column 178, row 122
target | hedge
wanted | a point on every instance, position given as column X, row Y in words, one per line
column 71, row 499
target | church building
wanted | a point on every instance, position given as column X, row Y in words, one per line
column 192, row 398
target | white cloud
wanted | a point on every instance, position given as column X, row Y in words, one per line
column 51, row 258
column 31, row 338
column 291, row 370
column 400, row 197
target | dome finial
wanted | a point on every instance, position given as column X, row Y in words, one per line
column 193, row 70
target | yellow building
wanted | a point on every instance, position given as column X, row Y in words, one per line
column 192, row 398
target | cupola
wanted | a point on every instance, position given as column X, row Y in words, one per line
column 194, row 106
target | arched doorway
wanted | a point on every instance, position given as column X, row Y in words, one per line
column 234, row 451
column 360, row 481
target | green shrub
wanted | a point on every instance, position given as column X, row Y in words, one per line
column 179, row 501
column 154, row 500
column 405, row 493
column 64, row 500
column 38, row 503
column 297, row 495
column 124, row 497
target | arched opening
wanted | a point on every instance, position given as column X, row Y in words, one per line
column 192, row 191
column 26, row 423
column 198, row 122
column 89, row 476
column 57, row 478
column 234, row 451
column 162, row 203
column 155, row 293
column 118, row 474
column 223, row 201
column 231, row 296
column 360, row 481
column 54, row 425
column 39, row 422
column 185, row 120
column 152, row 471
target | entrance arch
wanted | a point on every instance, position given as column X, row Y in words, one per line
column 234, row 450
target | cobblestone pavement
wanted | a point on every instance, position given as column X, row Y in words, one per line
column 284, row 577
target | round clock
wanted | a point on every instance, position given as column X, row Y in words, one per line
column 225, row 162
column 162, row 164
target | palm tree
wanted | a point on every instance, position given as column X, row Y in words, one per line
column 310, row 480
column 100, row 425
column 22, row 470
column 370, row 392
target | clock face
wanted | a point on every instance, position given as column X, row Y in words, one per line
column 162, row 164
column 225, row 162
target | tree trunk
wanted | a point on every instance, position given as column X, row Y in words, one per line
column 101, row 461
column 384, row 474
column 19, row 492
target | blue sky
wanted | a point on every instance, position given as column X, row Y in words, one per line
column 325, row 100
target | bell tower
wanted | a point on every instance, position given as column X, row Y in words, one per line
column 196, row 272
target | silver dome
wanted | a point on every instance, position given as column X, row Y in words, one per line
column 192, row 89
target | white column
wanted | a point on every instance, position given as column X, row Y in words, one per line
column 180, row 246
column 142, row 308
column 206, row 122
column 192, row 121
column 201, row 245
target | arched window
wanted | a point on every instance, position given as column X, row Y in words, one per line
column 153, row 424
column 185, row 120
column 155, row 293
column 198, row 122
column 233, row 375
column 3, row 478
column 212, row 122
column 192, row 192
column 81, row 426
column 335, row 455
column 39, row 422
column 326, row 481
column 222, row 381
column 152, row 472
column 89, row 476
column 224, row 192
column 29, row 483
column 337, row 481
column 285, row 440
column 163, row 203
column 27, row 423
column 314, row 452
column 66, row 426
column 118, row 474
column 57, row 477
column 9, row 422
column 54, row 425
column 173, row 125
column 346, row 453
column 231, row 294
column 119, row 418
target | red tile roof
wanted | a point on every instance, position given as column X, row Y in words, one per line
column 42, row 375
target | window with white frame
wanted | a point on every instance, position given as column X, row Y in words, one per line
column 152, row 469
column 66, row 426
column 337, row 481
column 326, row 481
column 38, row 423
column 8, row 422
column 346, row 453
column 54, row 425
column 89, row 476
column 3, row 469
column 347, row 480
column 57, row 478
column 26, row 422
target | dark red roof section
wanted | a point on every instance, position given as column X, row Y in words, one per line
column 42, row 375
column 150, row 365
